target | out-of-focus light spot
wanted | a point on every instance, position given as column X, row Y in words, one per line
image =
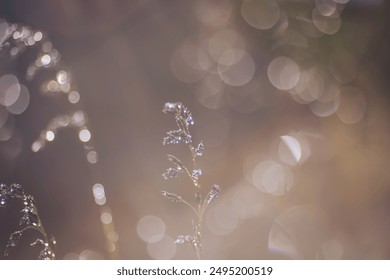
column 62, row 77
column 50, row 135
column 45, row 59
column 290, row 150
column 353, row 105
column 327, row 104
column 185, row 64
column 213, row 13
column 289, row 238
column 106, row 218
column 230, row 57
column 223, row 41
column 331, row 91
column 98, row 191
column 84, row 135
column 62, row 121
column 310, row 87
column 47, row 46
column 14, row 51
column 343, row 66
column 283, row 72
column 205, row 61
column 73, row 97
column 164, row 249
column 221, row 219
column 151, row 229
column 30, row 41
column 210, row 92
column 246, row 202
column 54, row 54
column 326, row 7
column 92, row 157
column 304, row 143
column 100, row 201
column 16, row 35
column 65, row 87
column 36, row 146
column 238, row 73
column 21, row 104
column 78, row 119
column 52, row 86
column 111, row 247
column 38, row 36
column 9, row 89
column 113, row 236
column 260, row 14
column 325, row 108
column 11, row 95
column 99, row 194
column 272, row 178
column 326, row 24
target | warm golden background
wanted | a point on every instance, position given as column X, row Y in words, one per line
column 289, row 97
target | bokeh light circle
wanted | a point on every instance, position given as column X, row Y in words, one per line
column 151, row 228
column 260, row 14
column 284, row 73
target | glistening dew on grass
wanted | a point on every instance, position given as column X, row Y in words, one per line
column 55, row 79
column 29, row 220
column 184, row 120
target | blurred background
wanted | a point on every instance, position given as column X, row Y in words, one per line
column 289, row 97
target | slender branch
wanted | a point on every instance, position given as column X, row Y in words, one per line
column 184, row 119
column 192, row 207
